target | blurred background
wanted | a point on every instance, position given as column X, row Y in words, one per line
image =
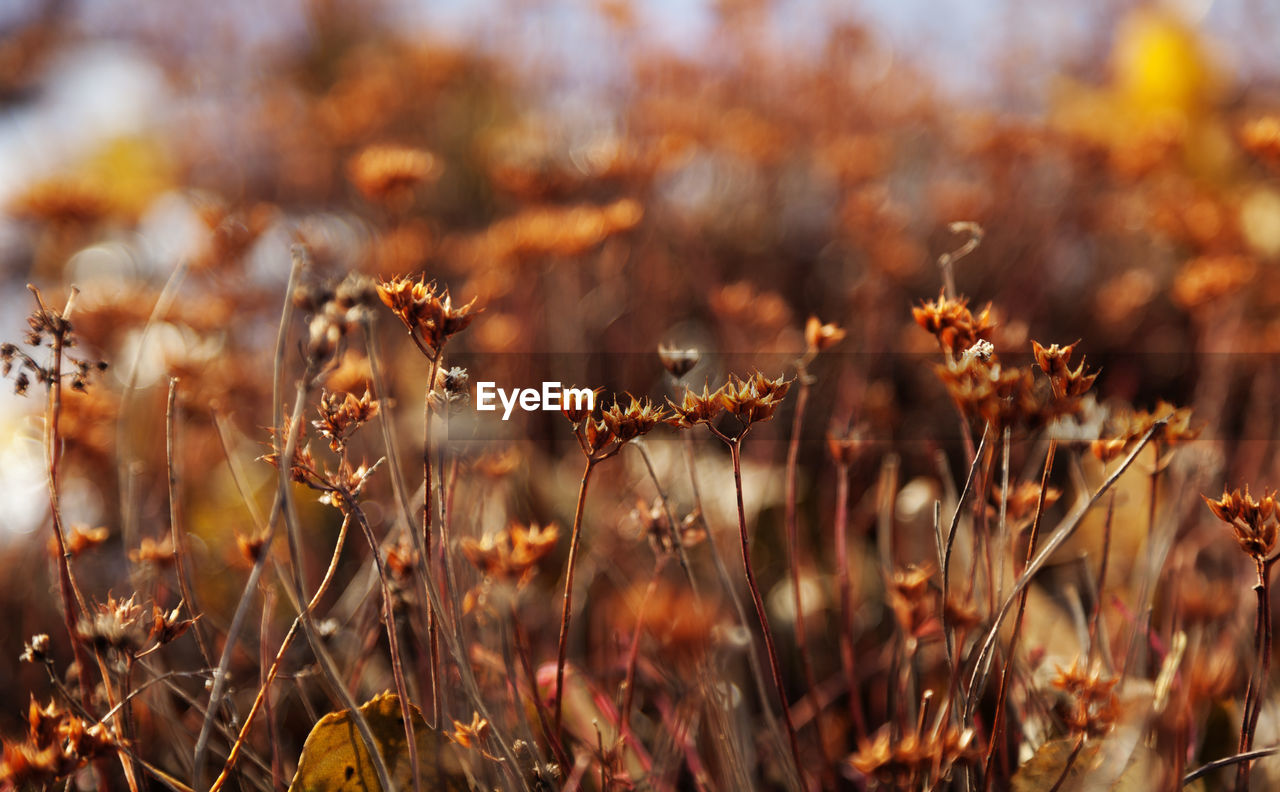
column 606, row 176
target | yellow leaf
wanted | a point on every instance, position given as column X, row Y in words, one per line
column 334, row 758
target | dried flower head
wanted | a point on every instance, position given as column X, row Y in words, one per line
column 149, row 551
column 341, row 414
column 695, row 408
column 389, row 174
column 511, row 555
column 36, row 650
column 1054, row 360
column 847, row 445
column 1092, row 706
column 637, row 419
column 168, row 627
column 754, row 399
column 115, row 624
column 819, row 336
column 1252, row 521
column 578, row 409
column 676, row 361
column 953, row 324
column 427, row 313
column 655, row 523
column 913, row 601
column 79, row 539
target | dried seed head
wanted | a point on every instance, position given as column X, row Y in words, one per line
column 116, row 624
column 953, row 324
column 1067, row 383
column 1092, row 706
column 846, row 446
column 1252, row 521
column 677, row 362
column 819, row 336
column 428, row 314
column 341, row 414
column 695, row 409
column 168, row 627
column 639, row 418
column 512, row 555
column 389, row 174
column 754, row 399
column 577, row 410
column 653, row 521
column 79, row 539
column 36, row 650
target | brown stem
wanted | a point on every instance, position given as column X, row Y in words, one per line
column 735, row 450
column 633, row 654
column 433, row 628
column 997, row 723
column 722, row 574
column 793, row 551
column 67, row 588
column 843, row 585
column 1263, row 641
column 568, row 589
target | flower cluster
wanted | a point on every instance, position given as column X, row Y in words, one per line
column 1252, row 521
column 427, row 313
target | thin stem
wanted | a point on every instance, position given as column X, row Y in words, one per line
column 562, row 653
column 845, row 588
column 676, row 539
column 633, row 654
column 1066, row 530
column 1249, row 727
column 735, row 450
column 997, row 723
column 722, row 574
column 433, row 628
column 793, row 549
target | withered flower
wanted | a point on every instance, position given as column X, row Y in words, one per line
column 36, row 650
column 577, row 409
column 845, row 446
column 341, row 414
column 79, row 539
column 511, row 555
column 1252, row 521
column 427, row 313
column 168, row 627
column 390, row 173
column 819, row 336
column 754, row 399
column 953, row 324
column 1067, row 383
column 695, row 409
column 653, row 520
column 677, row 362
column 913, row 601
column 116, row 624
column 636, row 420
column 472, row 735
column 1092, row 707
column 152, row 552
